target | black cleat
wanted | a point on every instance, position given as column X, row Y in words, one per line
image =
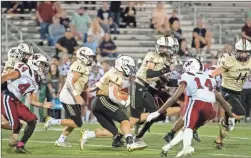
column 21, row 150
column 168, row 137
column 163, row 153
column 196, row 136
column 218, row 145
column 118, row 141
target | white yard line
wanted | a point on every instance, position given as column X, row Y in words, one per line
column 148, row 149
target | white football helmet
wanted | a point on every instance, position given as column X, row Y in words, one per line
column 26, row 50
column 85, row 55
column 168, row 45
column 243, row 50
column 193, row 65
column 14, row 54
column 40, row 64
column 125, row 64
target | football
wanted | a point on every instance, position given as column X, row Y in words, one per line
column 123, row 95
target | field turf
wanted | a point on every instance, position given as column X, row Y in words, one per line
column 42, row 144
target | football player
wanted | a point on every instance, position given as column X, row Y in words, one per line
column 234, row 70
column 154, row 66
column 76, row 83
column 107, row 105
column 23, row 79
column 200, row 87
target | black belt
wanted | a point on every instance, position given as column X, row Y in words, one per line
column 230, row 91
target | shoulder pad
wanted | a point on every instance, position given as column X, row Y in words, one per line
column 78, row 67
column 225, row 61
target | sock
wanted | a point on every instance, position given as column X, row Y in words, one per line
column 226, row 117
column 187, row 137
column 87, row 115
column 129, row 139
column 91, row 134
column 56, row 122
column 172, row 132
column 62, row 138
column 20, row 144
column 178, row 138
column 144, row 129
column 29, row 129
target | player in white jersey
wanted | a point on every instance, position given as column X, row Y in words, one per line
column 24, row 79
column 200, row 87
column 70, row 96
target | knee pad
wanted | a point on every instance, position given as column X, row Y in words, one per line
column 78, row 122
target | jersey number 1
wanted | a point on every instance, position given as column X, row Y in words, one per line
column 23, row 87
column 208, row 84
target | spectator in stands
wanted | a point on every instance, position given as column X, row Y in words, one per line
column 174, row 17
column 54, row 86
column 108, row 47
column 183, row 48
column 246, row 30
column 176, row 31
column 64, row 20
column 58, row 8
column 245, row 97
column 201, row 37
column 80, row 23
column 55, row 60
column 105, row 19
column 66, row 44
column 130, row 13
column 56, row 31
column 96, row 31
column 165, row 29
column 14, row 7
column 105, row 66
column 64, row 66
column 158, row 16
column 45, row 12
column 91, row 43
column 115, row 11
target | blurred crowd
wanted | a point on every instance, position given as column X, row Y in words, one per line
column 69, row 32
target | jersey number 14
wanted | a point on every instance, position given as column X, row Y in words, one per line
column 208, row 84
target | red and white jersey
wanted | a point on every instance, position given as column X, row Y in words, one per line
column 200, row 86
column 26, row 83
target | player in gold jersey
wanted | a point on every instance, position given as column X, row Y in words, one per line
column 234, row 70
column 72, row 102
column 154, row 66
column 107, row 105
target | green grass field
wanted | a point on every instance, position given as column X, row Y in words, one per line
column 42, row 144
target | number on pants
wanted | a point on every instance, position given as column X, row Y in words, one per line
column 23, row 87
column 208, row 84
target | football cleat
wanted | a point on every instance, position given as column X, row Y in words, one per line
column 64, row 144
column 21, row 150
column 196, row 136
column 47, row 123
column 118, row 141
column 83, row 139
column 163, row 153
column 133, row 146
column 218, row 145
column 140, row 142
column 185, row 152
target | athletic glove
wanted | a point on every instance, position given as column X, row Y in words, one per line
column 152, row 116
column 166, row 69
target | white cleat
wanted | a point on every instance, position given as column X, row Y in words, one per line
column 83, row 139
column 47, row 123
column 142, row 145
column 132, row 147
column 185, row 152
column 65, row 144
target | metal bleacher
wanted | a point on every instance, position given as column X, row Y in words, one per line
column 227, row 16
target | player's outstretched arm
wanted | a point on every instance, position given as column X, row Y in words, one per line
column 225, row 105
column 173, row 98
column 11, row 76
column 218, row 71
column 34, row 101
